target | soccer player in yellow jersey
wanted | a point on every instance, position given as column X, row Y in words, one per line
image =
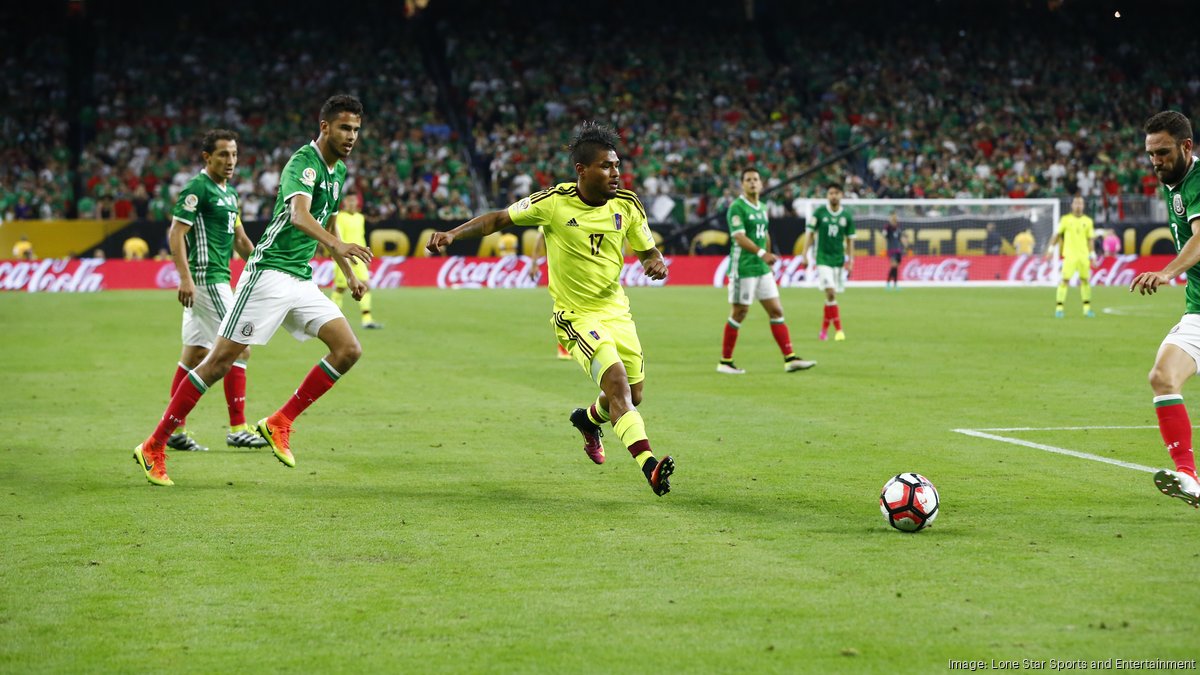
column 352, row 227
column 1077, row 234
column 586, row 224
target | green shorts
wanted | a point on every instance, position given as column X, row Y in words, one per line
column 596, row 343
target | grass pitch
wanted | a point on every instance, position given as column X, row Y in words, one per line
column 443, row 517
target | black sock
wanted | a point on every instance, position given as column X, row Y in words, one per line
column 649, row 466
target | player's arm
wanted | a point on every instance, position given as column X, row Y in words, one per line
column 652, row 262
column 178, row 243
column 479, row 226
column 749, row 246
column 849, row 263
column 1054, row 241
column 242, row 243
column 302, row 220
column 1148, row 282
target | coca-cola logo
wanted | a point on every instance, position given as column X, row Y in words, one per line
column 948, row 270
column 1113, row 271
column 52, row 275
column 167, row 277
column 507, row 272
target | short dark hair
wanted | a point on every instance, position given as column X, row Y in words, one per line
column 591, row 138
column 1174, row 123
column 209, row 142
column 750, row 169
column 834, row 186
column 340, row 103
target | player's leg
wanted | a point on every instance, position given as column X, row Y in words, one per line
column 589, row 421
column 200, row 324
column 740, row 292
column 622, row 384
column 190, row 357
column 240, row 434
column 835, row 315
column 825, row 278
column 1085, row 287
column 312, row 315
column 1177, row 360
column 1060, row 295
column 779, row 330
column 364, row 274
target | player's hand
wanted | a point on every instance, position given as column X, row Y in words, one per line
column 655, row 268
column 187, row 292
column 353, row 252
column 358, row 287
column 535, row 269
column 439, row 241
column 770, row 258
column 1147, row 283
column 849, row 265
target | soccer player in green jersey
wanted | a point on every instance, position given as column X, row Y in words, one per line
column 832, row 234
column 276, row 289
column 751, row 278
column 205, row 230
column 1169, row 145
column 586, row 224
column 1077, row 233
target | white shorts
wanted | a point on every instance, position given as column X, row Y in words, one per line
column 1186, row 336
column 267, row 299
column 831, row 277
column 202, row 320
column 745, row 290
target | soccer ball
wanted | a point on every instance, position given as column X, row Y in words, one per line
column 909, row 502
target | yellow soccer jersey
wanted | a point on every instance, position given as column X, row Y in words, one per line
column 584, row 245
column 1077, row 235
column 352, row 227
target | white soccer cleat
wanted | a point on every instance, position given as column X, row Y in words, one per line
column 797, row 364
column 729, row 369
column 1178, row 484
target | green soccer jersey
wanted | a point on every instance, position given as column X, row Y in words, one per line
column 750, row 220
column 585, row 246
column 1183, row 207
column 211, row 210
column 283, row 247
column 831, row 229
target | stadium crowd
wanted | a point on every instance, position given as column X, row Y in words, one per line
column 967, row 110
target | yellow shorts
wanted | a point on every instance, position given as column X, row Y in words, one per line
column 360, row 270
column 1073, row 265
column 597, row 343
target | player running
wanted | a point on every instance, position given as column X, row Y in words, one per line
column 751, row 278
column 832, row 234
column 586, row 224
column 1077, row 233
column 276, row 289
column 1169, row 144
column 205, row 230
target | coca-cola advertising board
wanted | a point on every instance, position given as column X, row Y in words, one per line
column 89, row 275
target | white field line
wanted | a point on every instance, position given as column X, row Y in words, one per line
column 979, row 433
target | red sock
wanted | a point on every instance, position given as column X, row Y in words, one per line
column 731, row 335
column 187, row 394
column 835, row 316
column 639, row 447
column 235, row 394
column 828, row 317
column 782, row 337
column 180, row 374
column 318, row 381
column 1176, row 430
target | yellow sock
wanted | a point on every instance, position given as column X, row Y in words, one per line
column 632, row 430
column 365, row 303
column 1085, row 292
column 1061, row 295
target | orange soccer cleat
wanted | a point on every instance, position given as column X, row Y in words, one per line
column 278, row 433
column 154, row 462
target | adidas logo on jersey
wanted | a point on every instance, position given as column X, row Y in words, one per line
column 572, row 223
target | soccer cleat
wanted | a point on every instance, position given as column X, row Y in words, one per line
column 1089, row 314
column 184, row 441
column 792, row 365
column 278, row 437
column 371, row 325
column 824, row 333
column 1178, row 484
column 154, row 463
column 730, row 369
column 839, row 336
column 591, row 435
column 244, row 438
column 1058, row 314
column 563, row 354
column 660, row 477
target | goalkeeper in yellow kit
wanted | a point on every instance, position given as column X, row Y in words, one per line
column 352, row 227
column 586, row 224
column 1078, row 235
